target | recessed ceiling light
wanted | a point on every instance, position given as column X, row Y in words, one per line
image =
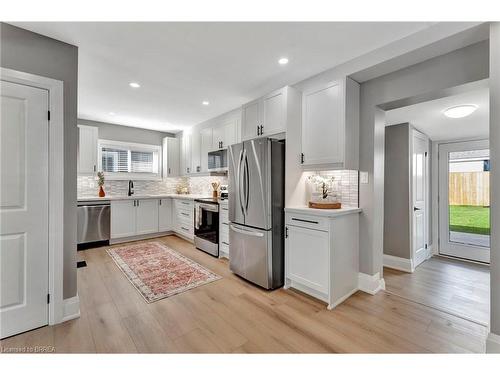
column 112, row 113
column 135, row 85
column 283, row 61
column 205, row 102
column 460, row 111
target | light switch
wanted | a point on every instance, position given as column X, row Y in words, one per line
column 363, row 177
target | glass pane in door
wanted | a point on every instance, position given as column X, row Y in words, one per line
column 469, row 197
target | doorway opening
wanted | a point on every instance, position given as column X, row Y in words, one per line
column 437, row 208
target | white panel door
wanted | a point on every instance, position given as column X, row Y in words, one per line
column 251, row 114
column 165, row 215
column 123, row 218
column 273, row 112
column 323, row 125
column 420, row 148
column 147, row 216
column 24, row 249
column 87, row 149
column 206, row 147
column 307, row 257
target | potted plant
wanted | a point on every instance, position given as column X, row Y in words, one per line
column 100, row 183
column 323, row 194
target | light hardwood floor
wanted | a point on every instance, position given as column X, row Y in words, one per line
column 233, row 316
column 461, row 288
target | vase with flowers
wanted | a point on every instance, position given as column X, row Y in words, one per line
column 100, row 183
column 324, row 192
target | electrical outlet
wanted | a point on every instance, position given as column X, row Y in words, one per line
column 363, row 177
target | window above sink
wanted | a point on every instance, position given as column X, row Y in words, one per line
column 129, row 161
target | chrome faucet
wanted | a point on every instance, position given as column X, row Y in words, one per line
column 130, row 187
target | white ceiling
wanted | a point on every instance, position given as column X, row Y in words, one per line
column 428, row 117
column 181, row 64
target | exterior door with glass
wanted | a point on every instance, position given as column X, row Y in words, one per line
column 464, row 200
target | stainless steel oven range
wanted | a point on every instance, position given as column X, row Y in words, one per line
column 206, row 225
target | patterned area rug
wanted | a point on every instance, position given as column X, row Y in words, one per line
column 157, row 271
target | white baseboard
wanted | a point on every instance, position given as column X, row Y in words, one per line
column 370, row 284
column 397, row 263
column 71, row 308
column 493, row 343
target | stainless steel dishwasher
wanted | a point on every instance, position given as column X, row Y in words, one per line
column 93, row 221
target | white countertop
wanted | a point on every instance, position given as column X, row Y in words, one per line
column 323, row 212
column 138, row 196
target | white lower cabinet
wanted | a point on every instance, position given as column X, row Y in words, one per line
column 322, row 255
column 147, row 216
column 308, row 256
column 165, row 215
column 183, row 217
column 133, row 217
column 123, row 218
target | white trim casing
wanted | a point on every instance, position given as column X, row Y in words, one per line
column 371, row 284
column 71, row 308
column 56, row 183
column 397, row 263
column 493, row 343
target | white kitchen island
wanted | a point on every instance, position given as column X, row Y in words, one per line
column 322, row 252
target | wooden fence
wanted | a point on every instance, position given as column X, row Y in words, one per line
column 469, row 188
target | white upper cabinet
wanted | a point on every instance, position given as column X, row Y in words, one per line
column 225, row 134
column 251, row 117
column 330, row 126
column 170, row 157
column 265, row 116
column 205, row 147
column 273, row 113
column 87, row 149
column 195, row 152
column 185, row 154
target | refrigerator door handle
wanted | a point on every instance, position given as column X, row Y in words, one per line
column 240, row 191
column 247, row 232
column 247, row 181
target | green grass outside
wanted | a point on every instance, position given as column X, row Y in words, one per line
column 470, row 219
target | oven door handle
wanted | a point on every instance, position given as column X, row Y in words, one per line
column 209, row 207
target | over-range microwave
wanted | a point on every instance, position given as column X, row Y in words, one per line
column 217, row 161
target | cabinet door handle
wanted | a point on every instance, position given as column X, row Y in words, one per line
column 261, row 129
column 94, row 168
column 186, row 229
column 258, row 130
column 286, row 232
column 305, row 221
column 185, row 214
column 160, row 202
column 138, row 203
column 302, row 158
column 168, row 170
column 134, row 202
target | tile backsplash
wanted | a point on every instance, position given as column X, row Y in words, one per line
column 87, row 185
column 347, row 187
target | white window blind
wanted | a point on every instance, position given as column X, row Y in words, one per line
column 122, row 160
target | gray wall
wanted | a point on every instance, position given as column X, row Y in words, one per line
column 36, row 54
column 126, row 133
column 495, row 177
column 455, row 68
column 397, row 191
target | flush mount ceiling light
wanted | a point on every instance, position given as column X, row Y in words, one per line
column 283, row 61
column 135, row 85
column 112, row 113
column 205, row 102
column 460, row 111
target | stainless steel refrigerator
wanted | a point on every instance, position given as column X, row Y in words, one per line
column 256, row 211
